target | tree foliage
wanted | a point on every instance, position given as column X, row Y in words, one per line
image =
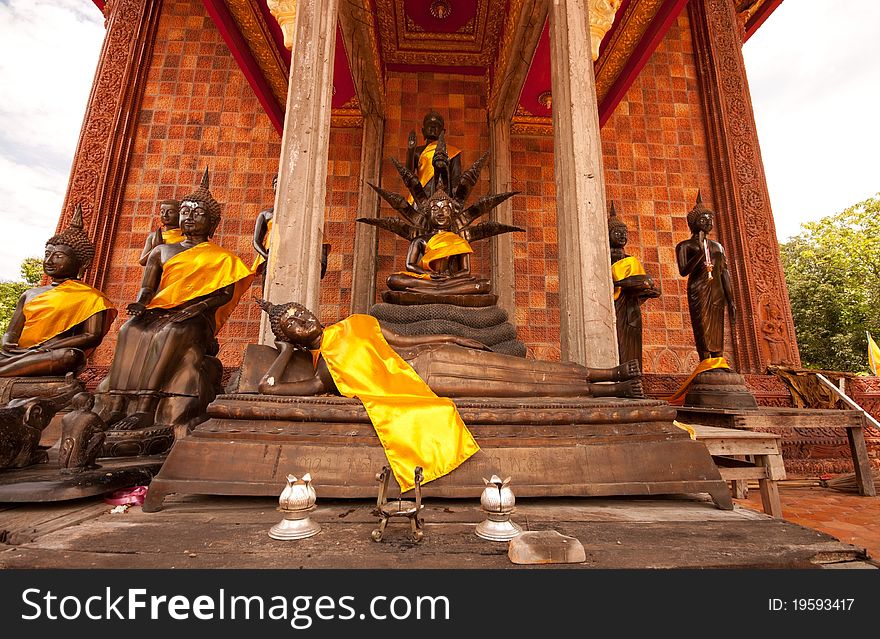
column 31, row 272
column 832, row 268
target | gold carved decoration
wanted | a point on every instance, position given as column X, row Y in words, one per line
column 285, row 13
column 259, row 40
column 602, row 14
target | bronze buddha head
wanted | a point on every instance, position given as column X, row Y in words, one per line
column 70, row 252
column 199, row 211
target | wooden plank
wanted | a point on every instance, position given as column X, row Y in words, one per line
column 861, row 463
column 754, row 472
column 31, row 522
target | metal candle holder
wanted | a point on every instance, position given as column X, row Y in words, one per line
column 498, row 503
column 297, row 500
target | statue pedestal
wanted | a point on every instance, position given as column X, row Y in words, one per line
column 722, row 388
column 550, row 446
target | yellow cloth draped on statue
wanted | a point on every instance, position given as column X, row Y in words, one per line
column 173, row 236
column 59, row 309
column 443, row 244
column 415, row 426
column 708, row 364
column 622, row 269
column 199, row 271
column 265, row 244
column 425, row 168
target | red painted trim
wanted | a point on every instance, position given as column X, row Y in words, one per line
column 242, row 54
column 432, row 68
column 760, row 16
column 655, row 32
column 100, row 4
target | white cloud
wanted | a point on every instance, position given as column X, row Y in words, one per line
column 814, row 77
column 48, row 54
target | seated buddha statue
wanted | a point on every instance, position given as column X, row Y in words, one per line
column 163, row 368
column 55, row 327
column 440, row 229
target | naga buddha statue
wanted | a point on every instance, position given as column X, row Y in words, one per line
column 632, row 286
column 55, row 327
column 168, row 232
column 440, row 230
column 164, row 369
column 420, row 159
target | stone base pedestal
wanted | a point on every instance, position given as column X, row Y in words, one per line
column 721, row 388
column 550, row 446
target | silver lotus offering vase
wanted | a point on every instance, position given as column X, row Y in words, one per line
column 297, row 500
column 498, row 503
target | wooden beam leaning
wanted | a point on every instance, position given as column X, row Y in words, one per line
column 294, row 267
column 519, row 49
column 356, row 22
column 587, row 319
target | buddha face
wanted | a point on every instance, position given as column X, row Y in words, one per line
column 705, row 222
column 169, row 214
column 60, row 262
column 300, row 326
column 442, row 212
column 618, row 236
column 194, row 218
column 432, row 126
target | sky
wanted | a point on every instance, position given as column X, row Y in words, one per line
column 813, row 71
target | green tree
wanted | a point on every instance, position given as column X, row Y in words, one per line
column 31, row 272
column 832, row 268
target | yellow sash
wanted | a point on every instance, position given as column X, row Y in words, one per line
column 444, row 244
column 199, row 271
column 707, row 364
column 623, row 269
column 60, row 308
column 416, row 427
column 426, row 161
column 173, row 236
column 265, row 243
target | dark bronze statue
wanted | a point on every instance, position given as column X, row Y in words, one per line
column 420, row 159
column 440, row 229
column 169, row 231
column 632, row 286
column 54, row 328
column 82, row 435
column 451, row 366
column 23, row 420
column 709, row 291
column 164, row 368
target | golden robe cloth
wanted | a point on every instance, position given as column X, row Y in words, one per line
column 710, row 363
column 173, row 236
column 265, row 243
column 416, row 427
column 60, row 308
column 443, row 244
column 622, row 269
column 425, row 168
column 199, row 271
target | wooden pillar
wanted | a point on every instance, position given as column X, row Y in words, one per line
column 517, row 50
column 765, row 328
column 293, row 271
column 587, row 320
column 100, row 164
column 363, row 279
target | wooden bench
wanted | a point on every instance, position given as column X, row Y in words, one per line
column 730, row 447
column 789, row 418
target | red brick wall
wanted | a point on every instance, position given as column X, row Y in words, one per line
column 461, row 100
column 199, row 110
column 655, row 159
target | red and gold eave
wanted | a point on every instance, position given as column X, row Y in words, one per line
column 460, row 36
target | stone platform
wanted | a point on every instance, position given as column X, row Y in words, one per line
column 550, row 446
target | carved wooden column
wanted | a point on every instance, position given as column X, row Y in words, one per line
column 293, row 270
column 587, row 320
column 100, row 164
column 765, row 328
column 501, row 246
column 363, row 279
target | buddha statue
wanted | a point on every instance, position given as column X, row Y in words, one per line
column 54, row 328
column 164, row 368
column 420, row 159
column 440, row 229
column 167, row 233
column 632, row 286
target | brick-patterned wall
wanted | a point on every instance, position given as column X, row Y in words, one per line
column 199, row 110
column 461, row 100
column 535, row 252
column 655, row 160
